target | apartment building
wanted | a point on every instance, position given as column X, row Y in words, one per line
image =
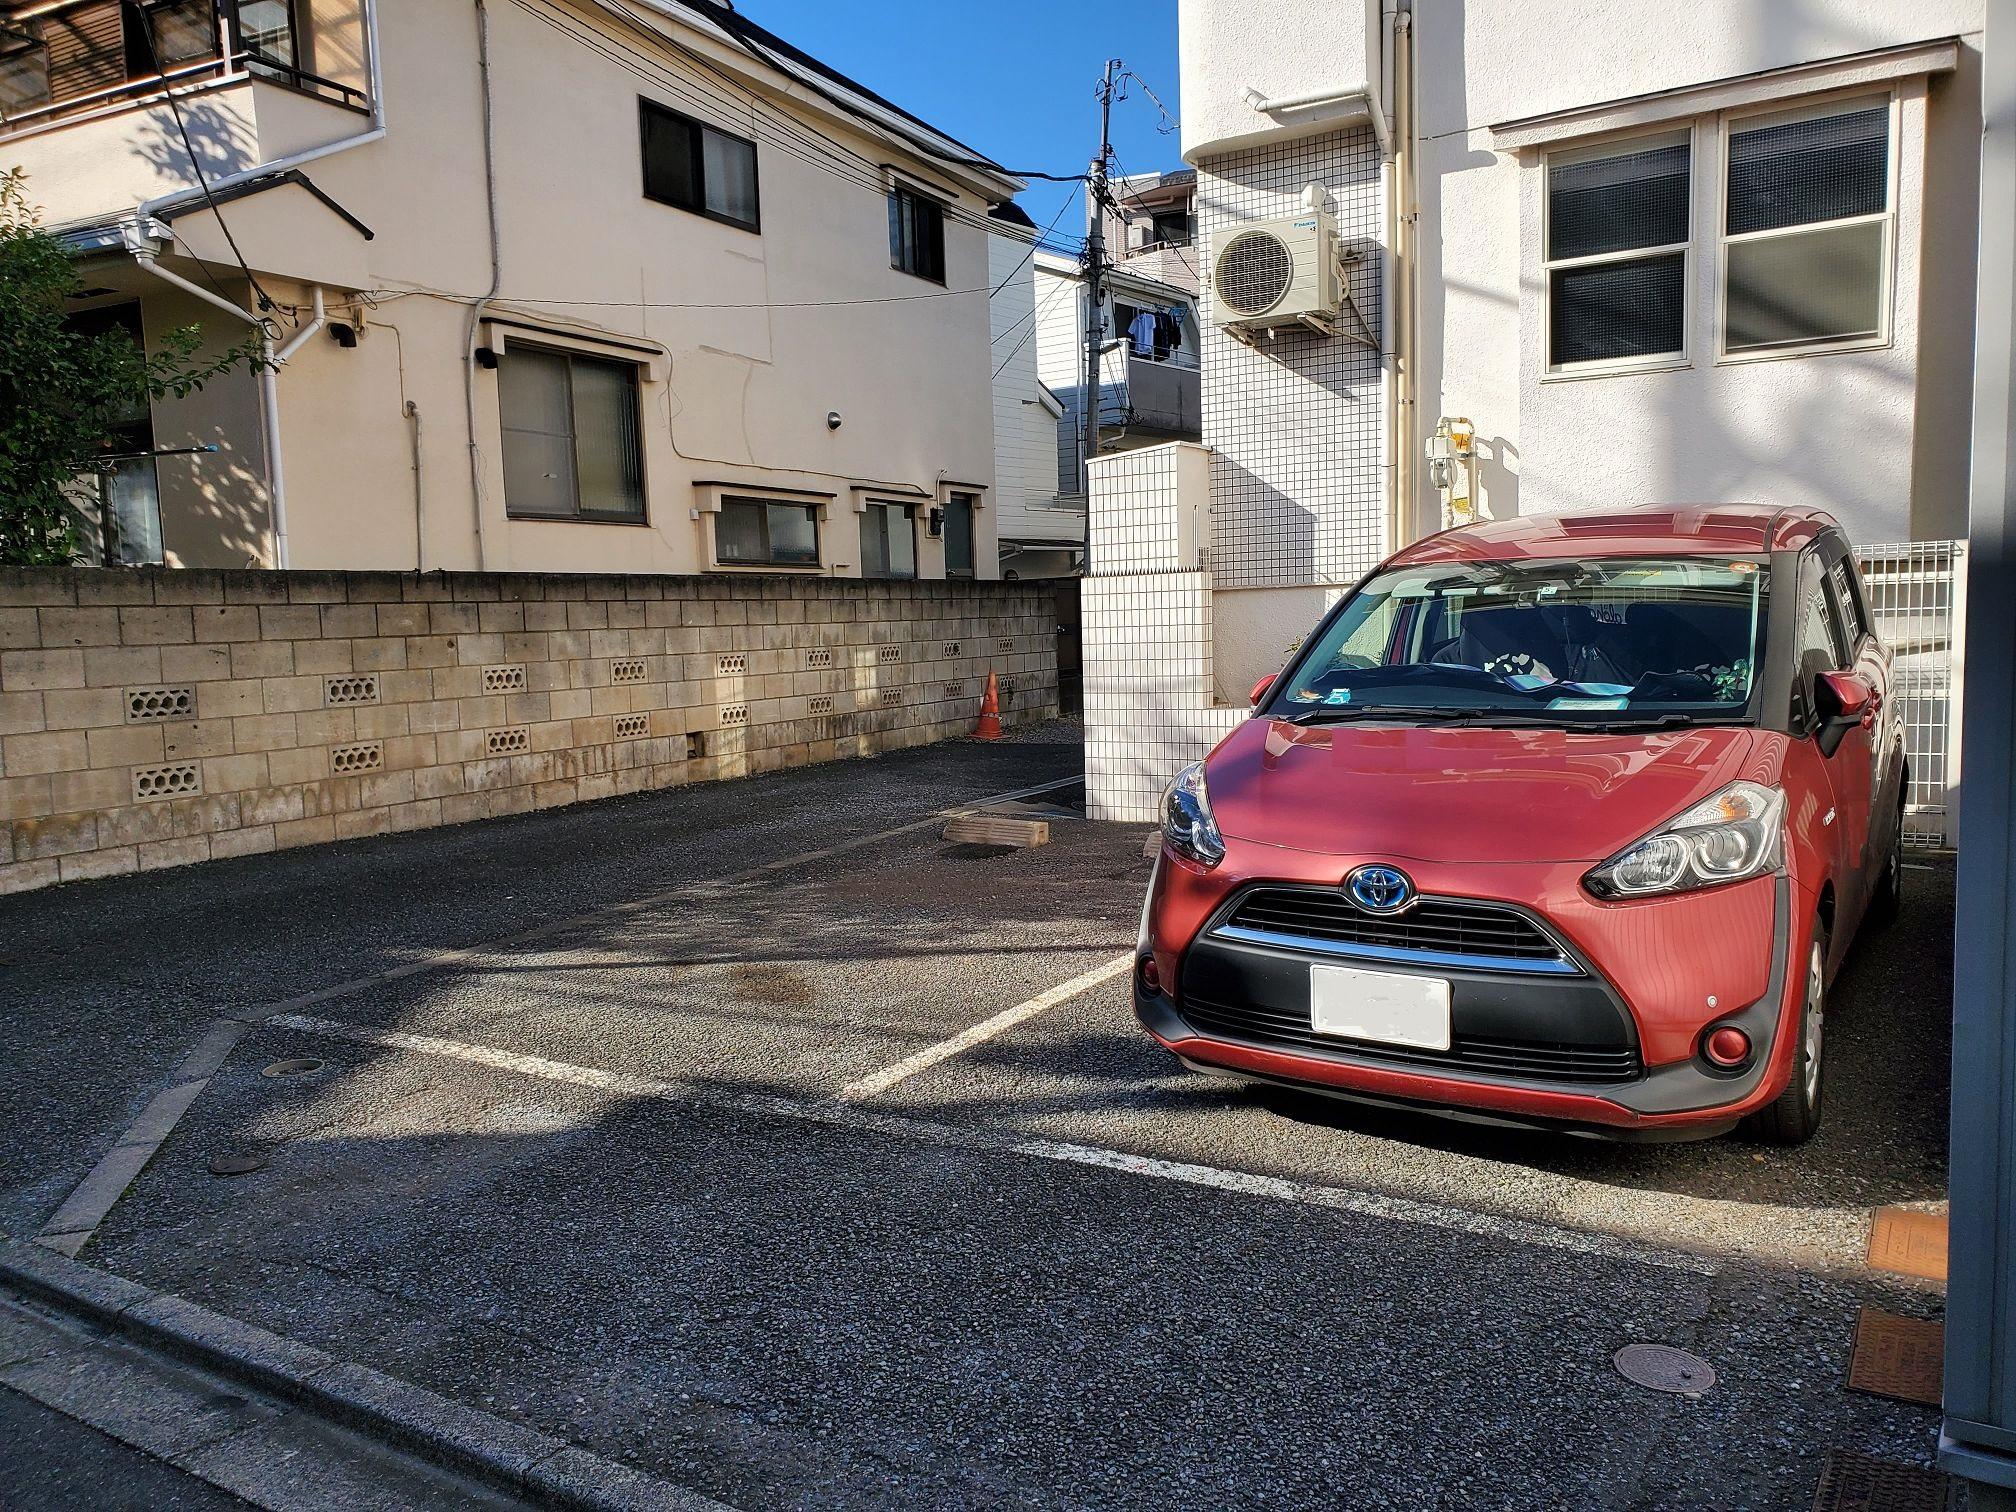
column 1039, row 525
column 1505, row 258
column 555, row 285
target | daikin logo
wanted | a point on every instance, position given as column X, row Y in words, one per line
column 1380, row 889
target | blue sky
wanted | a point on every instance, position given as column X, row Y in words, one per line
column 1015, row 82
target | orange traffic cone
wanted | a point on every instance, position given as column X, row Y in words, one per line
column 989, row 727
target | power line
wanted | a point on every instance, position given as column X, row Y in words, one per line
column 1035, row 324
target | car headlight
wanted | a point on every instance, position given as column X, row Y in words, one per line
column 1736, row 834
column 1186, row 818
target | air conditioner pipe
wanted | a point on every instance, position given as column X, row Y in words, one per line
column 1360, row 96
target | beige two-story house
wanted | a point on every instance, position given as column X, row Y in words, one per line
column 565, row 285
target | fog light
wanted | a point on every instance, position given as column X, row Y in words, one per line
column 1150, row 974
column 1727, row 1047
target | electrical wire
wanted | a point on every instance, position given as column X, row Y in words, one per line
column 202, row 179
column 1035, row 324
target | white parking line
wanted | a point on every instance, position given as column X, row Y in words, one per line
column 834, row 1113
column 986, row 1029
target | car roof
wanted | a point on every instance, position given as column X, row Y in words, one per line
column 1656, row 530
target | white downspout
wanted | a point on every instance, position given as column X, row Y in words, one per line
column 269, row 384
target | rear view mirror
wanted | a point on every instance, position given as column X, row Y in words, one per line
column 1845, row 700
column 1260, row 689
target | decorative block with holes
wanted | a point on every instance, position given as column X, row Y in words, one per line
column 627, row 669
column 1004, row 644
column 357, row 688
column 632, row 726
column 514, row 741
column 364, row 756
column 734, row 714
column 888, row 653
column 891, row 697
column 504, row 679
column 734, row 663
column 954, row 689
column 147, row 705
column 179, row 781
column 822, row 704
column 821, row 656
column 951, row 648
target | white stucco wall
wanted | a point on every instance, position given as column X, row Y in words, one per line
column 1871, row 435
column 1283, row 49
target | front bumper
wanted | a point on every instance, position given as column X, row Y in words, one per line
column 1620, row 1046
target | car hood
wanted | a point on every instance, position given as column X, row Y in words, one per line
column 1439, row 793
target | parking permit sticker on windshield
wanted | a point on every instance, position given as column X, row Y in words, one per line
column 1338, row 696
column 1588, row 703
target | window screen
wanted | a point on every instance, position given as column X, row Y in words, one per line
column 1601, row 312
column 697, row 167
column 1799, row 172
column 1808, row 229
column 917, row 235
column 1617, row 204
column 1617, row 230
column 571, row 445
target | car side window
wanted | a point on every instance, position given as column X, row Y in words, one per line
column 1821, row 648
column 1848, row 597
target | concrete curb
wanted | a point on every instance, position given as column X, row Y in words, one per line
column 548, row 1471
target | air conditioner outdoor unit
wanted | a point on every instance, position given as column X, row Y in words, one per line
column 1274, row 273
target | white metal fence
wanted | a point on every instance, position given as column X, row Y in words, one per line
column 1915, row 593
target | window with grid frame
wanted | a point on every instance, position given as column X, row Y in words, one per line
column 1617, row 226
column 571, row 437
column 917, row 234
column 889, row 541
column 1808, row 224
column 756, row 532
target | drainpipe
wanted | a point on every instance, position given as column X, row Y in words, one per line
column 270, row 360
column 474, row 320
column 1405, row 284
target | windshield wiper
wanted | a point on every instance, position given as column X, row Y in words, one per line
column 1416, row 713
column 1622, row 726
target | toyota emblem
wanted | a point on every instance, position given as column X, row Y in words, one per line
column 1380, row 889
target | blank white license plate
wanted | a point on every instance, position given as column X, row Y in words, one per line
column 1379, row 1006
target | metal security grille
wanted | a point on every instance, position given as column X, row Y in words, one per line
column 1914, row 597
column 1253, row 273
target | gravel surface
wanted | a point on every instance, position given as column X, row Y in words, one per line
column 784, row 1309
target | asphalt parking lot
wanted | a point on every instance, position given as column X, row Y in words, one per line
column 714, row 1175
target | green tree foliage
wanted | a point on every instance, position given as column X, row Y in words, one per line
column 61, row 392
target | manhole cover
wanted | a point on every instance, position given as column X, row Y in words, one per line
column 1898, row 1357
column 1661, row 1367
column 236, row 1165
column 299, row 1067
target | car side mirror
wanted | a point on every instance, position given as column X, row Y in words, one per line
column 1845, row 700
column 1260, row 689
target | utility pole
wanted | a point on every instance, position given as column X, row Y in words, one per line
column 1095, row 296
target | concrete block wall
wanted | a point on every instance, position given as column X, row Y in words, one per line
column 161, row 717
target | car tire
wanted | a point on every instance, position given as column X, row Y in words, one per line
column 1795, row 1116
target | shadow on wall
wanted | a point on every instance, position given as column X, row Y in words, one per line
column 1246, row 507
column 221, row 143
column 213, row 504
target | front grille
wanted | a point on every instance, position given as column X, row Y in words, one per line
column 1445, row 926
column 1536, row 1060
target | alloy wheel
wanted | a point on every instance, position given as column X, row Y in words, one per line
column 1816, row 990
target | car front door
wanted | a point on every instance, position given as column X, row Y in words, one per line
column 1813, row 778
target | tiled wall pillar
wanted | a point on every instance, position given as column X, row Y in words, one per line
column 1147, row 628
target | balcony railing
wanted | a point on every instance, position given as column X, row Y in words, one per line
column 65, row 58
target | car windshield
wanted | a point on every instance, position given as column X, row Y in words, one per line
column 1657, row 640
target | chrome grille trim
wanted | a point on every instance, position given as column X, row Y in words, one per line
column 1453, row 934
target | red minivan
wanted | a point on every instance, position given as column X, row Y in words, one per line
column 1566, row 820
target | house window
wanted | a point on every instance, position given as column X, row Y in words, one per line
column 959, row 534
column 1616, row 253
column 121, row 494
column 571, row 446
column 1170, row 228
column 267, row 31
column 917, row 235
column 766, row 533
column 92, row 50
column 1806, row 235
column 697, row 167
column 889, row 541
